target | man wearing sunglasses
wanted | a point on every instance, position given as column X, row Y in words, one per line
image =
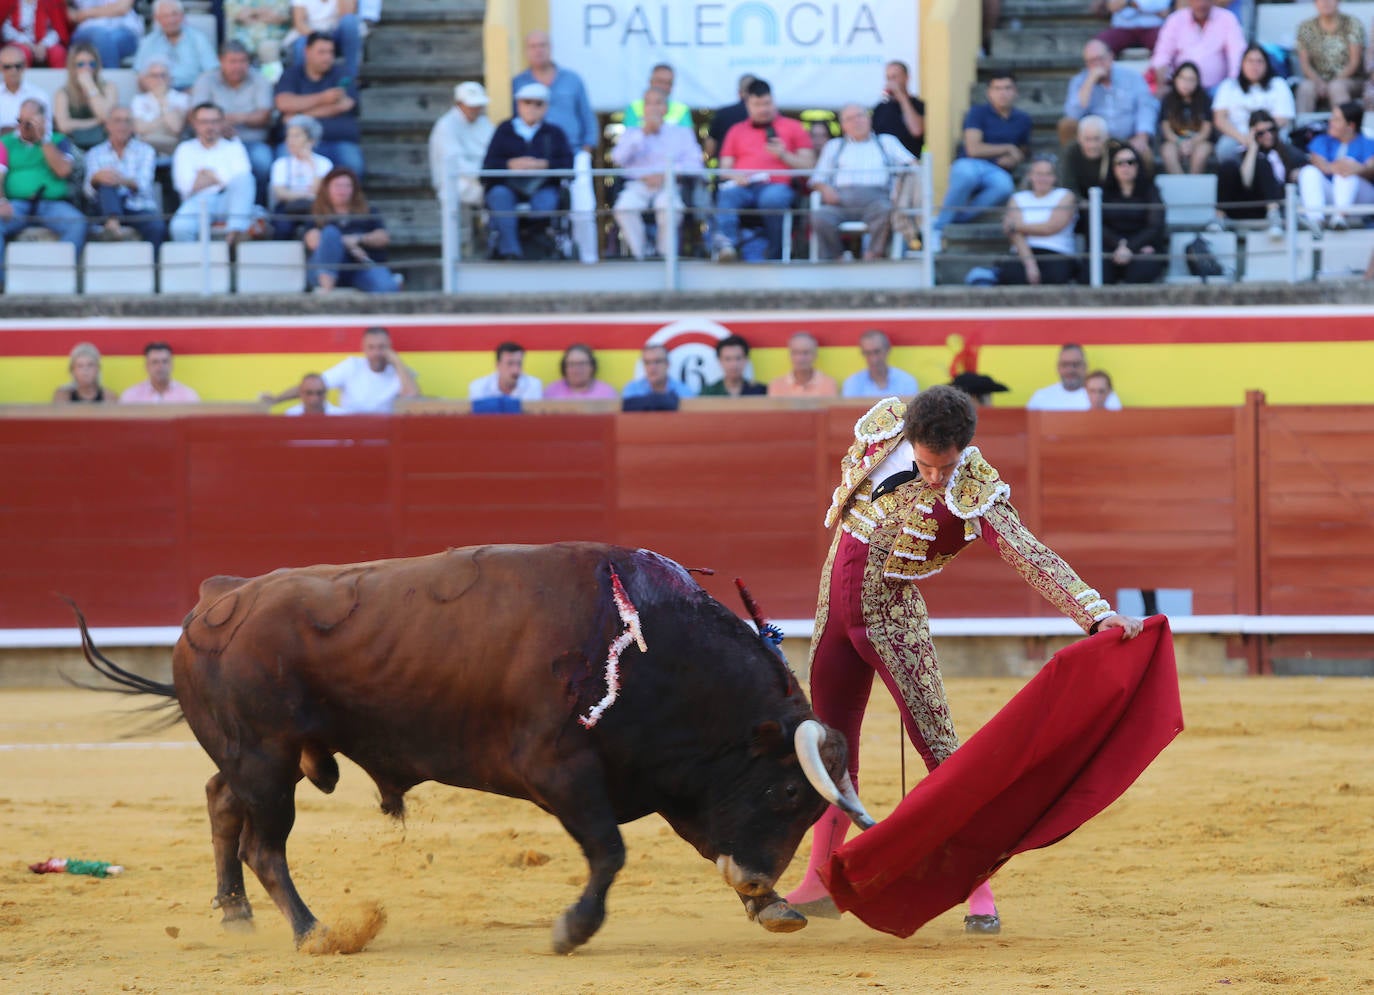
column 1251, row 186
column 14, row 89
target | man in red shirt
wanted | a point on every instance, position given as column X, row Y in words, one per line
column 764, row 142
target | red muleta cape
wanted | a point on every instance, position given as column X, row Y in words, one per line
column 1062, row 750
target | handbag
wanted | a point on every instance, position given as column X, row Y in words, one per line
column 1201, row 261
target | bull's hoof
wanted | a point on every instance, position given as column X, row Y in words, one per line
column 563, row 942
column 777, row 917
column 238, row 913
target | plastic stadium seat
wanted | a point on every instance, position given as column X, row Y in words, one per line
column 40, row 268
column 1268, row 261
column 180, row 269
column 270, row 267
column 1189, row 201
column 119, row 268
column 1223, row 245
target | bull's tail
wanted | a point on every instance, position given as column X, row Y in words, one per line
column 123, row 681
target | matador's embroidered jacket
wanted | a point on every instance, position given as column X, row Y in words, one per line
column 914, row 530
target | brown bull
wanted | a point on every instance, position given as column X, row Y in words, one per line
column 598, row 682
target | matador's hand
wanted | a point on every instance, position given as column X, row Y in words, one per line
column 1130, row 627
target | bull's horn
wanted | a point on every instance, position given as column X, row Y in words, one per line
column 808, row 738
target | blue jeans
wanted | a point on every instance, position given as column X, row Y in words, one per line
column 113, row 42
column 112, row 202
column 55, row 215
column 329, row 258
column 501, row 201
column 772, row 198
column 233, row 204
column 974, row 184
column 260, row 156
column 347, row 42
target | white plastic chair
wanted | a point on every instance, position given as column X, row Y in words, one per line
column 180, row 268
column 119, row 268
column 270, row 267
column 1190, row 202
column 40, row 268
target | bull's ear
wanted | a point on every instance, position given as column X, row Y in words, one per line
column 767, row 737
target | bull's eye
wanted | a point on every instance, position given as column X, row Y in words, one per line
column 793, row 790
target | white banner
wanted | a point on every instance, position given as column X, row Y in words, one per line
column 814, row 53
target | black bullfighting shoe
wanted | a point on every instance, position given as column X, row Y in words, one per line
column 986, row 925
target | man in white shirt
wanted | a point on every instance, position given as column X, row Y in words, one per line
column 508, row 379
column 367, row 384
column 314, row 398
column 645, row 152
column 1069, row 394
column 14, row 89
column 854, row 179
column 459, row 141
column 877, row 379
column 212, row 171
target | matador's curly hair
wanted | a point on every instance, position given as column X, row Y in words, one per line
column 940, row 418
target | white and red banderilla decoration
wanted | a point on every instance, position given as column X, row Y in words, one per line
column 629, row 615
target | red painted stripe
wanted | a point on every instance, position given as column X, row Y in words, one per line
column 249, row 336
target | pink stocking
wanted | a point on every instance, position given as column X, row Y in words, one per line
column 980, row 902
column 826, row 838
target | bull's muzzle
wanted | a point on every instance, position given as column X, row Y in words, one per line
column 808, row 739
column 743, row 880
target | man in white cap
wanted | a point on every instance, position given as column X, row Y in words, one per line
column 458, row 143
column 527, row 143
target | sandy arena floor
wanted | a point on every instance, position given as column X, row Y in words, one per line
column 1243, row 861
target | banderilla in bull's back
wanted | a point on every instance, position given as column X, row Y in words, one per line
column 628, row 689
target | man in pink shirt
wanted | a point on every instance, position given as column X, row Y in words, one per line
column 1201, row 34
column 804, row 380
column 763, row 142
column 159, row 388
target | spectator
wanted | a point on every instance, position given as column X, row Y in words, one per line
column 37, row 188
column 85, row 386
column 1338, row 174
column 725, row 118
column 458, row 143
column 570, row 110
column 1134, row 240
column 804, row 380
column 1210, row 39
column 657, row 380
column 765, row 141
column 245, row 97
column 855, row 183
column 14, row 89
column 188, row 53
column 1185, row 123
column 80, row 108
column 978, row 386
column 1084, row 165
column 119, row 182
column 509, row 379
column 1118, row 95
column 1098, row 384
column 368, row 384
column 296, row 176
column 646, row 152
column 1069, row 394
column 159, row 388
column 259, row 25
column 819, row 131
column 899, row 113
column 39, row 28
column 1040, row 221
column 348, row 242
column 527, row 142
column 1257, row 88
column 112, row 26
column 338, row 19
column 877, row 379
column 1244, row 12
column 732, row 352
column 1135, row 23
column 660, row 78
column 314, row 398
column 159, row 112
column 317, row 85
column 1330, row 52
column 579, row 383
column 996, row 141
column 213, row 173
column 1252, row 186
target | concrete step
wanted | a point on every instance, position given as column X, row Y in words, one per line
column 417, row 217
column 1034, row 96
column 392, row 159
column 437, row 48
column 410, row 102
column 1026, row 10
column 1031, row 65
column 446, row 11
column 1043, row 38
